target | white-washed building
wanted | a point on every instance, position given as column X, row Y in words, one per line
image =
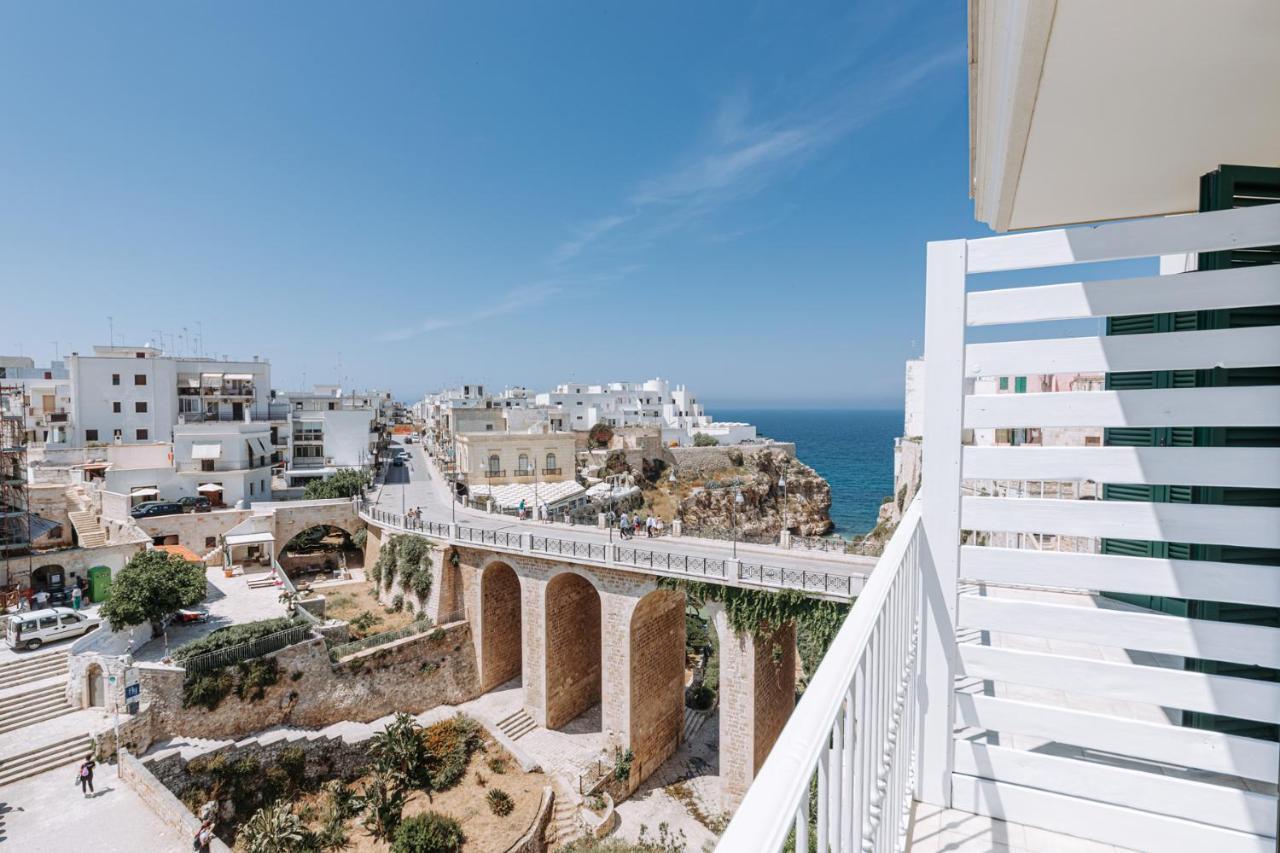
column 654, row 402
column 136, row 395
column 46, row 403
column 327, row 430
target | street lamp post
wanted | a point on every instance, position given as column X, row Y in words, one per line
column 782, row 483
column 674, row 502
column 737, row 502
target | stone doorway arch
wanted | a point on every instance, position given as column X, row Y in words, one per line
column 95, row 687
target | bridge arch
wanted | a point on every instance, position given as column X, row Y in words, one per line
column 657, row 658
column 501, row 634
column 573, row 651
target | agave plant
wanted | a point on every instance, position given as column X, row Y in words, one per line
column 400, row 753
column 273, row 829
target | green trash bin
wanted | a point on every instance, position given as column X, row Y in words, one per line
column 99, row 584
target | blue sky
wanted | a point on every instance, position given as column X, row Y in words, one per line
column 407, row 195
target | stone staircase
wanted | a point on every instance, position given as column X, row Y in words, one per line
column 89, row 531
column 564, row 825
column 32, row 668
column 34, row 706
column 517, row 725
column 47, row 757
column 694, row 720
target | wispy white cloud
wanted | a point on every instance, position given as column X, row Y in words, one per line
column 509, row 303
column 586, row 235
column 745, row 153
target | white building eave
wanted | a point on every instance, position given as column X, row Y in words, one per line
column 1092, row 110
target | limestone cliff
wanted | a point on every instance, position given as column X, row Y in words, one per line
column 710, row 504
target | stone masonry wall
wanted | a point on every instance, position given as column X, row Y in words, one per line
column 413, row 675
column 573, row 648
column 657, row 679
column 194, row 530
column 499, row 625
column 775, row 689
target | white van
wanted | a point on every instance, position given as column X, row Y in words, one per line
column 33, row 629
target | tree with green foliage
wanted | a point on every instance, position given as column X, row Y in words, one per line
column 599, row 435
column 345, row 483
column 701, row 439
column 152, row 585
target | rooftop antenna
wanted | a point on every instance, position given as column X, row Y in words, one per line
column 200, row 339
column 111, row 331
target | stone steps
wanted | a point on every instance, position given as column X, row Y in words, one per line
column 564, row 825
column 46, row 757
column 34, row 668
column 693, row 721
column 36, row 706
column 89, row 530
column 517, row 725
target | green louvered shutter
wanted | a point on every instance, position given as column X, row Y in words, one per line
column 1227, row 188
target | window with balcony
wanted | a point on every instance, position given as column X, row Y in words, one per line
column 495, row 463
column 522, row 464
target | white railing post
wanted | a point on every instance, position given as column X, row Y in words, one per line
column 944, row 330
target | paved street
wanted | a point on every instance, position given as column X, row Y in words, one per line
column 419, row 485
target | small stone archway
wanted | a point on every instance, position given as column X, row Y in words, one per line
column 501, row 634
column 656, row 679
column 94, row 694
column 327, row 527
column 572, row 651
column 42, row 577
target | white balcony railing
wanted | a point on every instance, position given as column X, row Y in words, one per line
column 852, row 733
column 1008, row 682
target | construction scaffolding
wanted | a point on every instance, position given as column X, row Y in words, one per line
column 15, row 511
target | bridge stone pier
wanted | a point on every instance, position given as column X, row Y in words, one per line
column 580, row 636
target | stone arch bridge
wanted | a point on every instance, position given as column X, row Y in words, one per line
column 584, row 624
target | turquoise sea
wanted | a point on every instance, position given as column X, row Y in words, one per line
column 851, row 448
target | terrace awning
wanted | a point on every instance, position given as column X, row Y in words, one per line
column 143, row 493
column 241, row 377
column 206, row 450
column 248, row 538
column 208, row 487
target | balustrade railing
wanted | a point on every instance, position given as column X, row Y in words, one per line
column 805, row 579
column 569, row 547
column 682, row 563
column 852, row 735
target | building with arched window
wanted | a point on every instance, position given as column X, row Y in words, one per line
column 499, row 458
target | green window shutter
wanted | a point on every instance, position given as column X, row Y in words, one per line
column 1004, row 383
column 1228, row 187
column 1020, row 385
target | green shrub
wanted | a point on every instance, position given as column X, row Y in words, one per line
column 701, row 439
column 497, row 765
column 207, row 689
column 344, row 483
column 449, row 746
column 235, row 635
column 701, row 698
column 360, row 538
column 362, row 623
column 255, row 676
column 500, row 802
column 431, row 832
column 397, row 603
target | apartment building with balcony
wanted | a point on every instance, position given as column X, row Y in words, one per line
column 136, row 395
column 227, row 462
column 46, row 399
column 327, row 430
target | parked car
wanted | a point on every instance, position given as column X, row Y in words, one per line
column 398, row 462
column 197, row 503
column 151, row 509
column 33, row 629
